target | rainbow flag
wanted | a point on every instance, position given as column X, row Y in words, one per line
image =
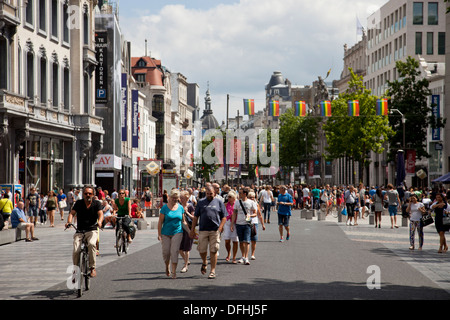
column 274, row 108
column 300, row 108
column 249, row 107
column 382, row 107
column 325, row 108
column 353, row 108
column 252, row 148
column 273, row 147
column 262, row 147
column 257, row 171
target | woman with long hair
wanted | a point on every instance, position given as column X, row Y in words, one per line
column 440, row 207
column 52, row 206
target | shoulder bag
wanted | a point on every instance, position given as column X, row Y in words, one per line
column 252, row 225
column 446, row 220
column 426, row 219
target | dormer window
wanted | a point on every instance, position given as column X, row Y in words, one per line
column 141, row 63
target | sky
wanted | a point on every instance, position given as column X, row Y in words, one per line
column 235, row 46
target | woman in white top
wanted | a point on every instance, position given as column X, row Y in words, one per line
column 416, row 210
column 255, row 221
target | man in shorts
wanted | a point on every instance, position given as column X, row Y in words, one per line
column 285, row 202
column 213, row 215
column 19, row 221
column 33, row 205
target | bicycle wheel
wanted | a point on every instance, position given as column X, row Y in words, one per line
column 119, row 242
column 334, row 211
column 80, row 276
column 86, row 272
column 125, row 242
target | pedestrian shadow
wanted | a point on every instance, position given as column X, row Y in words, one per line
column 265, row 289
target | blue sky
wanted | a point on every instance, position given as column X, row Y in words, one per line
column 236, row 45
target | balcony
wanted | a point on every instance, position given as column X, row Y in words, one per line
column 8, row 15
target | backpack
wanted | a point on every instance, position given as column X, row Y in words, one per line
column 147, row 197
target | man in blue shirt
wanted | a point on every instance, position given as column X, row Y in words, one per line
column 19, row 221
column 285, row 203
column 212, row 214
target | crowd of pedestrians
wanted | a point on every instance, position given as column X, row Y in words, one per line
column 235, row 215
column 214, row 213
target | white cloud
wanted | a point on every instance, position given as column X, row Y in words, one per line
column 238, row 46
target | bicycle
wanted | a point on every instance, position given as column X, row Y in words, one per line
column 121, row 237
column 83, row 275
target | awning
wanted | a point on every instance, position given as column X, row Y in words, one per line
column 443, row 179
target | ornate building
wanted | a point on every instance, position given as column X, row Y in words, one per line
column 49, row 134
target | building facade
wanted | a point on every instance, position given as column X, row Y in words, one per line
column 49, row 133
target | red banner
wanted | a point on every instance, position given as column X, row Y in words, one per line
column 410, row 161
column 311, row 168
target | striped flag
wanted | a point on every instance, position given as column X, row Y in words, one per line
column 249, row 107
column 325, row 108
column 382, row 107
column 353, row 108
column 273, row 147
column 252, row 148
column 300, row 108
column 262, row 147
column 274, row 108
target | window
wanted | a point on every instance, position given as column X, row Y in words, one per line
column 441, row 43
column 55, row 82
column 30, row 75
column 429, row 42
column 142, row 63
column 85, row 29
column 29, row 12
column 433, row 13
column 86, row 93
column 158, row 103
column 418, row 13
column 4, row 62
column 66, row 90
column 42, row 15
column 418, row 42
column 65, row 23
column 43, row 80
column 140, row 77
column 55, row 18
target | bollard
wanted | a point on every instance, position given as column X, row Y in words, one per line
column 404, row 222
column 302, row 213
column 141, row 224
column 372, row 219
column 308, row 214
column 320, row 215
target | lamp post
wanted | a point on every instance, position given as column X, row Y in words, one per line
column 403, row 123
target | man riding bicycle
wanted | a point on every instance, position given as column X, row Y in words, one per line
column 89, row 216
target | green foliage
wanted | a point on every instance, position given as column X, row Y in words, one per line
column 298, row 138
column 355, row 136
column 409, row 94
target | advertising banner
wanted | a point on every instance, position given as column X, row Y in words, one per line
column 101, row 70
column 135, row 119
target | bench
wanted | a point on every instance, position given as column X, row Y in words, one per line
column 11, row 235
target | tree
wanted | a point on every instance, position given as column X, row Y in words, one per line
column 298, row 138
column 409, row 94
column 355, row 136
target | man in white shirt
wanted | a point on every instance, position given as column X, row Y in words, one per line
column 306, row 196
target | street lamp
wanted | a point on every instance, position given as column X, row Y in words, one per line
column 403, row 122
